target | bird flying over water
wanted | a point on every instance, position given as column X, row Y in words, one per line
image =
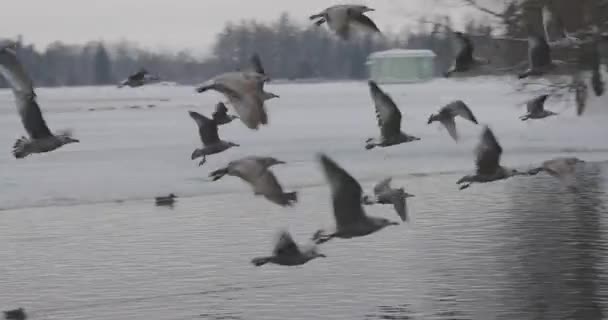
column 346, row 194
column 536, row 109
column 138, row 79
column 221, row 116
column 488, row 162
column 341, row 19
column 41, row 139
column 384, row 194
column 245, row 92
column 255, row 171
column 563, row 168
column 287, row 253
column 389, row 120
column 465, row 61
column 448, row 113
column 208, row 132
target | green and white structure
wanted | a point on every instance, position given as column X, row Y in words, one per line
column 401, row 66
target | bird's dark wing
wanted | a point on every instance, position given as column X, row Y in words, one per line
column 220, row 115
column 285, row 246
column 459, row 108
column 387, row 112
column 539, row 52
column 25, row 97
column 207, row 128
column 362, row 19
column 488, row 153
column 464, row 58
column 537, row 104
column 346, row 193
column 256, row 64
column 139, row 75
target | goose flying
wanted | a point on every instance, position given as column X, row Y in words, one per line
column 346, row 193
column 341, row 19
column 208, row 132
column 536, row 109
column 254, row 170
column 384, row 194
column 389, row 120
column 41, row 139
column 448, row 113
column 488, row 162
column 287, row 253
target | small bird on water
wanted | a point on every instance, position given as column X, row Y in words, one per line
column 448, row 113
column 488, row 162
column 536, row 109
column 384, row 194
column 389, row 120
column 342, row 18
column 208, row 132
column 255, row 171
column 165, row 200
column 17, row 314
column 41, row 139
column 287, row 253
column 346, row 193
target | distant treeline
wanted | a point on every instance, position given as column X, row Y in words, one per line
column 288, row 50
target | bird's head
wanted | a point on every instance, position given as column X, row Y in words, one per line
column 270, row 161
column 172, row 196
column 66, row 138
column 270, row 95
column 232, row 144
column 367, row 9
column 432, row 118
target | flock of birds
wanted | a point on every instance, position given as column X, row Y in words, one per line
column 244, row 91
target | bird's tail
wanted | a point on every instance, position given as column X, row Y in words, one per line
column 20, row 148
column 197, row 153
column 218, row 174
column 260, row 261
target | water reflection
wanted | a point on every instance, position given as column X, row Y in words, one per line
column 400, row 312
column 553, row 256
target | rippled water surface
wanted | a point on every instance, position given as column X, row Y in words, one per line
column 80, row 237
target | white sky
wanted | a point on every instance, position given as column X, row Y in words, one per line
column 182, row 24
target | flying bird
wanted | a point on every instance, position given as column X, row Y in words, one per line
column 384, row 194
column 221, row 116
column 40, row 137
column 245, row 92
column 138, row 79
column 287, row 253
column 488, row 162
column 448, row 113
column 255, row 171
column 342, row 18
column 536, row 109
column 465, row 61
column 389, row 120
column 539, row 57
column 563, row 168
column 346, row 193
column 208, row 132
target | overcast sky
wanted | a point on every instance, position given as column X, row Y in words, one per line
column 180, row 24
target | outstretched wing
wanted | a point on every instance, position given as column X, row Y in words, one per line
column 539, row 52
column 25, row 97
column 387, row 112
column 207, row 128
column 464, row 58
column 285, row 246
column 256, row 64
column 346, row 193
column 488, row 153
column 361, row 19
column 459, row 108
column 537, row 104
column 383, row 186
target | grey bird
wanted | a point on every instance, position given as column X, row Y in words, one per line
column 488, row 162
column 17, row 314
column 287, row 253
column 208, row 132
column 40, row 137
column 389, row 120
column 346, row 194
column 384, row 194
column 448, row 113
column 539, row 57
column 536, row 109
column 165, row 200
column 341, row 19
column 255, row 171
column 465, row 61
column 138, row 79
column 221, row 116
column 245, row 92
column 563, row 167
